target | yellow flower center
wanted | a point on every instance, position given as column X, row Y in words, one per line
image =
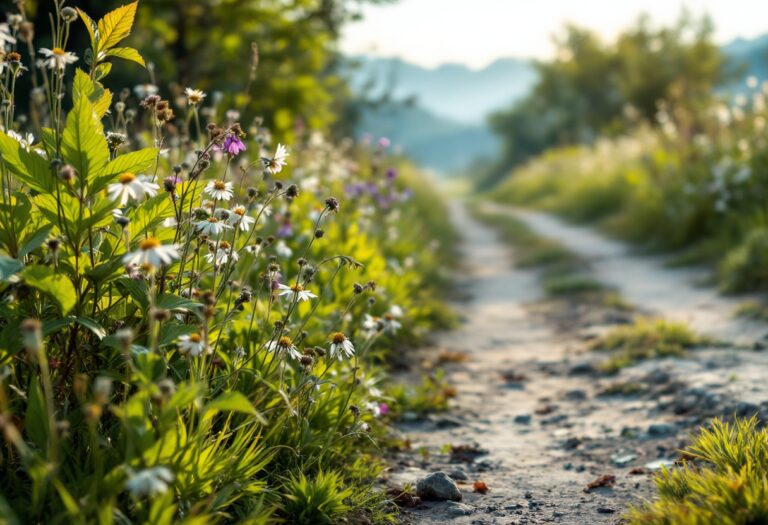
column 338, row 338
column 389, row 317
column 213, row 219
column 58, row 51
column 127, row 178
column 297, row 288
column 219, row 185
column 149, row 244
column 239, row 211
column 285, row 342
column 195, row 338
column 224, row 245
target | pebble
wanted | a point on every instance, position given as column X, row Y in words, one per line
column 576, row 395
column 659, row 463
column 458, row 475
column 523, row 419
column 438, row 486
column 605, row 510
column 582, row 368
column 448, row 422
column 662, row 429
column 459, row 509
column 623, row 461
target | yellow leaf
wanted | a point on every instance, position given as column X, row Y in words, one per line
column 89, row 24
column 101, row 106
column 116, row 25
column 126, row 53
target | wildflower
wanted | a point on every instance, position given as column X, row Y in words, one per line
column 284, row 346
column 152, row 253
column 341, row 346
column 129, row 186
column 389, row 319
column 332, row 204
column 276, row 163
column 212, row 226
column 149, row 482
column 194, row 96
column 219, row 190
column 239, row 218
column 221, row 254
column 25, row 141
column 295, row 290
column 57, row 58
column 5, row 36
column 191, row 345
column 145, row 90
column 253, row 249
column 282, row 249
column 233, row 145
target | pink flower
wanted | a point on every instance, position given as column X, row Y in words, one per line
column 383, row 409
column 233, row 145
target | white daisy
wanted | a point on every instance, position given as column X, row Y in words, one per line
column 212, row 227
column 372, row 325
column 282, row 249
column 219, row 190
column 191, row 345
column 145, row 90
column 389, row 319
column 276, row 163
column 57, row 58
column 5, row 36
column 221, row 256
column 129, row 186
column 284, row 346
column 239, row 217
column 24, row 140
column 293, row 291
column 152, row 253
column 194, row 96
column 341, row 346
column 149, row 482
column 253, row 249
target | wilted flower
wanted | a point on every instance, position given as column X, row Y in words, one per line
column 341, row 346
column 212, row 226
column 149, row 482
column 219, row 190
column 152, row 253
column 129, row 186
column 284, row 346
column 290, row 292
column 276, row 163
column 57, row 58
column 191, row 345
column 194, row 96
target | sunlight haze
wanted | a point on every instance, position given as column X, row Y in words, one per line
column 433, row 32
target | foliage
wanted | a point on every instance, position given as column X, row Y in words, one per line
column 591, row 86
column 722, row 481
column 186, row 336
column 645, row 339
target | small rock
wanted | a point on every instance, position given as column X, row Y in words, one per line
column 571, row 443
column 576, row 395
column 623, row 461
column 438, row 486
column 582, row 368
column 662, row 429
column 658, row 377
column 605, row 510
column 458, row 475
column 659, row 463
column 523, row 419
column 448, row 422
column 746, row 409
column 458, row 509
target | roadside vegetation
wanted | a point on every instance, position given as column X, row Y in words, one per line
column 195, row 319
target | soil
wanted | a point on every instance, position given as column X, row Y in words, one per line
column 533, row 420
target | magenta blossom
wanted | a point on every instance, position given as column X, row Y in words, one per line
column 383, row 409
column 233, row 145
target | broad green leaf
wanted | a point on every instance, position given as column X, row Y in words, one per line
column 83, row 143
column 133, row 162
column 51, row 326
column 102, row 70
column 136, row 289
column 90, row 25
column 31, row 169
column 170, row 332
column 35, row 240
column 115, row 26
column 126, row 53
column 232, row 401
column 101, row 106
column 57, row 286
column 149, row 214
column 9, row 267
column 91, row 325
column 169, row 301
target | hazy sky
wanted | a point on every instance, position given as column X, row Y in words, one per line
column 475, row 32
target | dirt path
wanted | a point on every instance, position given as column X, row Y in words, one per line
column 529, row 419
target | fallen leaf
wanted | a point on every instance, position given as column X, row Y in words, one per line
column 606, row 480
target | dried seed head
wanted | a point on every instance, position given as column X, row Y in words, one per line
column 319, row 233
column 67, row 173
column 332, row 204
column 357, row 288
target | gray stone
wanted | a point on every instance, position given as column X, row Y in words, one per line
column 448, row 422
column 662, row 429
column 455, row 509
column 438, row 486
column 523, row 419
column 576, row 395
column 458, row 475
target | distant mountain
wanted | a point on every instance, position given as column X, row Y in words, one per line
column 452, row 91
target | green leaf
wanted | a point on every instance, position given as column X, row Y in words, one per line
column 90, row 25
column 133, row 162
column 136, row 289
column 92, row 325
column 31, row 169
column 35, row 240
column 36, row 414
column 149, row 214
column 126, row 53
column 115, row 26
column 102, row 70
column 232, row 401
column 83, row 143
column 57, row 286
column 9, row 267
column 169, row 301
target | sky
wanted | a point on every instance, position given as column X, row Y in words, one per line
column 476, row 32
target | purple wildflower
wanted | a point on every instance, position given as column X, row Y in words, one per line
column 391, row 173
column 233, row 145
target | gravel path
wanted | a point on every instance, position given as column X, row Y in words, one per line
column 529, row 419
